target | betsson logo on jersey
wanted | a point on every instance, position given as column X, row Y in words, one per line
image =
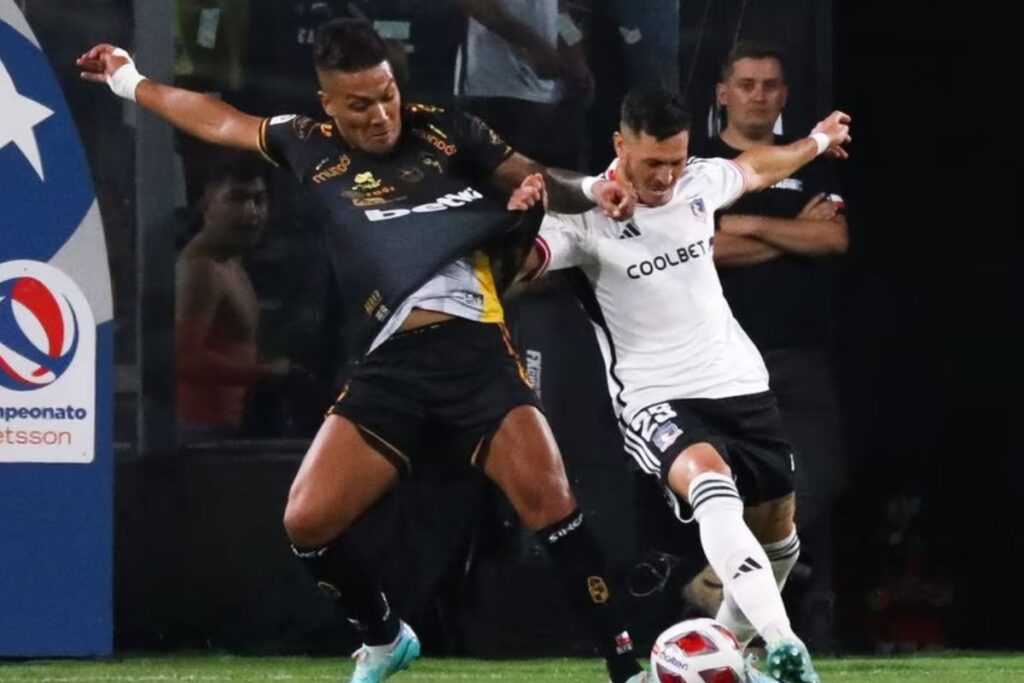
column 452, row 200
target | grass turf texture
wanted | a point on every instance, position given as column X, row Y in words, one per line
column 943, row 669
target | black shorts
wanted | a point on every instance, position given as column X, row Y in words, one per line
column 745, row 430
column 439, row 391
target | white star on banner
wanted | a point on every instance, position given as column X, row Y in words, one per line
column 20, row 116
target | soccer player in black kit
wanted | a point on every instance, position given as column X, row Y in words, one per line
column 418, row 256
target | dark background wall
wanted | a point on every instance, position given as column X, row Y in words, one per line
column 932, row 311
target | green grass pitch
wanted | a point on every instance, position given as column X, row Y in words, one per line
column 918, row 669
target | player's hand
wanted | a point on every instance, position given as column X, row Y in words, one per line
column 100, row 63
column 837, row 128
column 528, row 194
column 820, row 208
column 616, row 200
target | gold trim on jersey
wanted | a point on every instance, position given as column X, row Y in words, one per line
column 419, row 107
column 261, row 142
column 341, row 397
column 523, row 374
column 394, row 449
column 493, row 312
column 476, row 452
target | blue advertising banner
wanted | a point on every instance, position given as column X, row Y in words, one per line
column 56, row 370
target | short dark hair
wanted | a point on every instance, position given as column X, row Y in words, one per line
column 347, row 45
column 232, row 165
column 659, row 113
column 753, row 50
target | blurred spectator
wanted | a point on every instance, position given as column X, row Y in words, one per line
column 650, row 35
column 281, row 53
column 212, row 41
column 419, row 35
column 217, row 311
column 635, row 45
column 772, row 249
column 523, row 70
column 908, row 595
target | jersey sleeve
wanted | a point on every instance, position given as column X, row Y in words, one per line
column 562, row 242
column 721, row 181
column 480, row 149
column 281, row 137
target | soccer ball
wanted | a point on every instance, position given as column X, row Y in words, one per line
column 697, row 651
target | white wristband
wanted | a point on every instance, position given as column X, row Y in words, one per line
column 126, row 79
column 821, row 140
column 588, row 187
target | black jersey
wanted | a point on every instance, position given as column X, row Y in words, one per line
column 392, row 221
column 784, row 302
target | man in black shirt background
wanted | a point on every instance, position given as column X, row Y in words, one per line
column 772, row 248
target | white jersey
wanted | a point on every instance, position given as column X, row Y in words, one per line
column 664, row 327
column 464, row 289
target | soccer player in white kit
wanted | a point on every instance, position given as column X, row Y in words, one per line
column 689, row 388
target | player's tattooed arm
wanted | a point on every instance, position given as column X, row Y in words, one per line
column 567, row 191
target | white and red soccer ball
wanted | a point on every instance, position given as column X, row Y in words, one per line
column 697, row 651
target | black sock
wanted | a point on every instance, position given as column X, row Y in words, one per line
column 340, row 576
column 581, row 565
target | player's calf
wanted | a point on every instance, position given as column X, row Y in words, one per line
column 737, row 557
column 340, row 576
column 581, row 566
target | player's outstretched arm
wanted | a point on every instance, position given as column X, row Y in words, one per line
column 568, row 191
column 765, row 166
column 205, row 117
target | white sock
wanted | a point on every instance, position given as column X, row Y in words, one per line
column 737, row 557
column 783, row 556
column 731, row 616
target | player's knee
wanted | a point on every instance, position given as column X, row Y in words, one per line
column 298, row 524
column 547, row 501
column 305, row 525
column 695, row 460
